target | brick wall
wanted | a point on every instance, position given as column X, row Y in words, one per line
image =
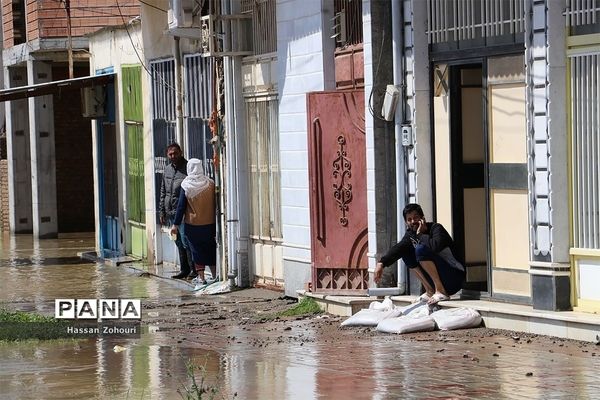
column 48, row 18
column 7, row 20
column 74, row 167
column 4, row 195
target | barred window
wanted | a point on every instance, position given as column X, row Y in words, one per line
column 585, row 100
column 263, row 160
column 455, row 20
column 264, row 25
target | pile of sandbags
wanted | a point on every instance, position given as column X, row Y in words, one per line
column 418, row 317
column 377, row 312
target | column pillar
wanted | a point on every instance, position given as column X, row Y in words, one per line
column 549, row 268
column 43, row 160
column 17, row 146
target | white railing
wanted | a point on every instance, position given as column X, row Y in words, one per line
column 455, row 20
column 582, row 12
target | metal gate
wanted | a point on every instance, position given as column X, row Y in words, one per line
column 136, row 200
column 338, row 192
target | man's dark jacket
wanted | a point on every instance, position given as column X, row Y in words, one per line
column 436, row 238
column 170, row 188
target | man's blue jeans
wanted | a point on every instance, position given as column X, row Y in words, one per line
column 451, row 277
column 186, row 262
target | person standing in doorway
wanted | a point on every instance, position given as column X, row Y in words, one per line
column 197, row 205
column 175, row 172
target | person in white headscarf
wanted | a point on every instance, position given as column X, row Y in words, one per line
column 196, row 208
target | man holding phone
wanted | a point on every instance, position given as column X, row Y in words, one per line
column 426, row 249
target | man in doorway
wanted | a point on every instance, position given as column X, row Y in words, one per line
column 426, row 249
column 175, row 172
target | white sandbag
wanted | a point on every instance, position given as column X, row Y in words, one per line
column 368, row 317
column 417, row 310
column 407, row 324
column 385, row 305
column 456, row 318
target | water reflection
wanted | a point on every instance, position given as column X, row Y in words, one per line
column 277, row 360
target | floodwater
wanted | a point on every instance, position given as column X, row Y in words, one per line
column 295, row 359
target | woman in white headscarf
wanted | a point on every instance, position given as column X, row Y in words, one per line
column 196, row 208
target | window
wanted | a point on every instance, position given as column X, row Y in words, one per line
column 163, row 117
column 263, row 160
column 348, row 25
column 585, row 99
column 264, row 25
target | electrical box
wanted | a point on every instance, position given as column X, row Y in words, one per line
column 390, row 101
column 93, row 101
column 407, row 135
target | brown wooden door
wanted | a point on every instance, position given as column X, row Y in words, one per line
column 338, row 192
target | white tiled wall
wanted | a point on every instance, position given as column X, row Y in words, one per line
column 301, row 70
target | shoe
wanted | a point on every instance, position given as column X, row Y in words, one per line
column 181, row 275
column 191, row 276
column 200, row 285
column 437, row 297
column 424, row 298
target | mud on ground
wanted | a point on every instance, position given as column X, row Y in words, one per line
column 254, row 311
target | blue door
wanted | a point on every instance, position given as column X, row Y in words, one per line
column 110, row 237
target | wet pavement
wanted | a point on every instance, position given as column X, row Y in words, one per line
column 249, row 355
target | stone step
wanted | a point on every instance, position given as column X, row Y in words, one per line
column 516, row 317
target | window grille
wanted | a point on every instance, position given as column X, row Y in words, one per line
column 199, row 92
column 163, row 89
column 163, row 116
column 455, row 20
column 580, row 12
column 199, row 82
column 263, row 157
column 264, row 25
column 348, row 26
column 585, row 114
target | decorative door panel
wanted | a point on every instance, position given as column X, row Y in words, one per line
column 338, row 192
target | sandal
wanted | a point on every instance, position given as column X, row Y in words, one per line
column 424, row 298
column 437, row 297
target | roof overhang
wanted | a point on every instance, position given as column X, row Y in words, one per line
column 41, row 89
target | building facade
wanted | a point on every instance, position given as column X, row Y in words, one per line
column 49, row 147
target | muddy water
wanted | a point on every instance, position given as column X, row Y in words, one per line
column 290, row 359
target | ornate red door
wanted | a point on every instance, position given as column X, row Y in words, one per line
column 338, row 192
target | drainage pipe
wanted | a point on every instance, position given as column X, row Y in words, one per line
column 398, row 69
column 231, row 148
column 179, row 93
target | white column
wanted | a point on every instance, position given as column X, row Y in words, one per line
column 43, row 161
column 19, row 167
column 422, row 107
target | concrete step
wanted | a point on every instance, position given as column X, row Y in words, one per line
column 107, row 257
column 516, row 317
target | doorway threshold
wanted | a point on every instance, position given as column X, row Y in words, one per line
column 107, row 257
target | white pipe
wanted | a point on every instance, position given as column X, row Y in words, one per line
column 232, row 205
column 398, row 69
column 179, row 94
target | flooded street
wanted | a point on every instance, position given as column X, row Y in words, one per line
column 249, row 355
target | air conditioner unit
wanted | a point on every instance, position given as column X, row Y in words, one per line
column 180, row 13
column 93, row 100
